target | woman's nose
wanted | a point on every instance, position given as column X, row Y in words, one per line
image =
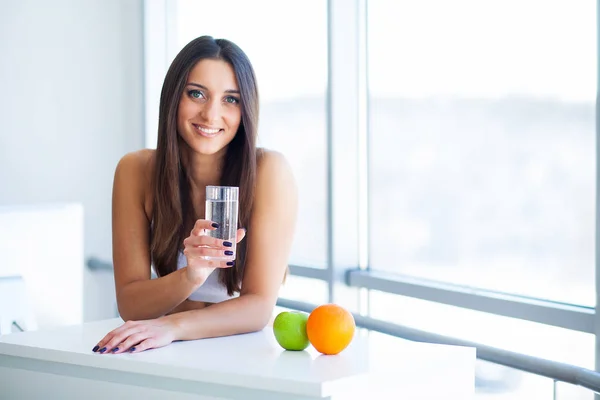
column 211, row 111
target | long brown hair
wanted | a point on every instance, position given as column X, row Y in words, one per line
column 172, row 210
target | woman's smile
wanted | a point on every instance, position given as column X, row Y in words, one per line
column 206, row 131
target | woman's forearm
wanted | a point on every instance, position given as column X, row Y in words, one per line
column 155, row 297
column 242, row 314
column 188, row 305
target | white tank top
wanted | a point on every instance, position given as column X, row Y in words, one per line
column 212, row 291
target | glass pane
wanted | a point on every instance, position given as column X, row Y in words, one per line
column 525, row 337
column 492, row 381
column 290, row 61
column 496, row 382
column 482, row 143
column 565, row 391
column 303, row 289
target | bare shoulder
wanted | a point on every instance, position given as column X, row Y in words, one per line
column 276, row 189
column 131, row 218
column 272, row 226
column 137, row 161
column 134, row 173
column 273, row 168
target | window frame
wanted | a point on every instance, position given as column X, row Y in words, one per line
column 347, row 181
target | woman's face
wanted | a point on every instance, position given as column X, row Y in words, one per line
column 209, row 112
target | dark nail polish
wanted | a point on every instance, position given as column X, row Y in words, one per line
column 215, row 225
column 132, row 349
column 115, row 350
column 227, row 244
column 228, row 252
column 95, row 349
column 102, row 350
column 230, row 263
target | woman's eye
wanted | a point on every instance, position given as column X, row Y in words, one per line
column 196, row 94
column 231, row 100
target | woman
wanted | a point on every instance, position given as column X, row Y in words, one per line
column 207, row 136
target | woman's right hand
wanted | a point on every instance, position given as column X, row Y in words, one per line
column 199, row 246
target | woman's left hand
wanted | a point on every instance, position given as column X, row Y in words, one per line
column 136, row 336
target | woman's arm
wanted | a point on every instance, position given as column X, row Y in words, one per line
column 269, row 236
column 188, row 305
column 139, row 297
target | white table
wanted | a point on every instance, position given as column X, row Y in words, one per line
column 59, row 364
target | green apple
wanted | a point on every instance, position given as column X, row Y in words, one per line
column 289, row 328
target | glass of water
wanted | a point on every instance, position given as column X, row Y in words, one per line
column 222, row 208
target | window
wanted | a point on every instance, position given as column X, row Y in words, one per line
column 482, row 144
column 290, row 62
column 524, row 337
column 304, row 289
column 520, row 336
column 481, row 162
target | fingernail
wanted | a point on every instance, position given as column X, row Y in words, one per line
column 102, row 350
column 131, row 350
column 230, row 263
column 245, row 230
column 95, row 349
column 214, row 225
column 227, row 244
column 115, row 350
column 228, row 252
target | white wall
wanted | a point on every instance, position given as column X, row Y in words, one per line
column 71, row 104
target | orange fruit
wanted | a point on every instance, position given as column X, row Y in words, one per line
column 330, row 328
